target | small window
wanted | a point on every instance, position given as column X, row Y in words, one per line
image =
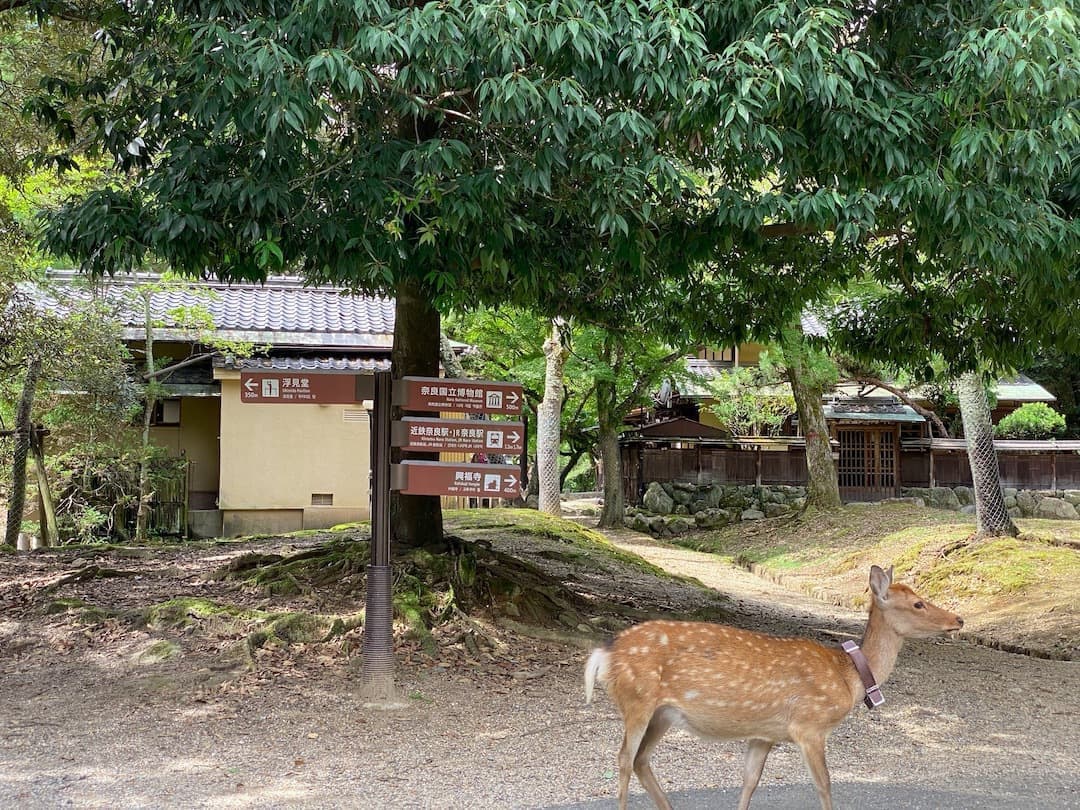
column 322, row 499
column 724, row 355
column 166, row 412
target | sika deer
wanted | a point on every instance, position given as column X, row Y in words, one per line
column 730, row 684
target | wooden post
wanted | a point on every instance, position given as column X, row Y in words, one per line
column 896, row 462
column 377, row 663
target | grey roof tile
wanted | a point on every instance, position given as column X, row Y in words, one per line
column 344, row 364
column 282, row 311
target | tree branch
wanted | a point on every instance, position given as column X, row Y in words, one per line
column 63, row 11
column 900, row 394
column 188, row 362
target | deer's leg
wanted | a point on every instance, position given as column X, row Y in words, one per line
column 636, row 727
column 756, row 752
column 812, row 747
column 658, row 725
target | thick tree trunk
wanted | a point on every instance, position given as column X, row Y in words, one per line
column 415, row 520
column 991, row 514
column 23, row 439
column 822, row 485
column 549, row 422
column 614, row 512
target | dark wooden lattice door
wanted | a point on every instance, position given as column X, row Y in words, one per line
column 867, row 468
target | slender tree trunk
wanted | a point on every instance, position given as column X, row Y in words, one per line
column 549, row 421
column 142, row 515
column 822, row 485
column 23, row 439
column 415, row 520
column 50, row 532
column 991, row 514
column 614, row 512
column 451, row 363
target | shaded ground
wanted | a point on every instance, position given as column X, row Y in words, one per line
column 96, row 716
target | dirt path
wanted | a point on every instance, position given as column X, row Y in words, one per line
column 86, row 721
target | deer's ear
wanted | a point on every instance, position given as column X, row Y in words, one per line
column 880, row 580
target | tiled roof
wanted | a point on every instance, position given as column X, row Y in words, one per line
column 282, row 312
column 873, row 410
column 812, row 325
column 1021, row 389
column 343, row 364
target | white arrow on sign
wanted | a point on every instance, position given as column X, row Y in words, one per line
column 509, row 482
column 250, row 384
column 512, row 397
column 513, row 436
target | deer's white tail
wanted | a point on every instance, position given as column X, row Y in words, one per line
column 595, row 669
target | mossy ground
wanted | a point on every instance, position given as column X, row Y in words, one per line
column 520, row 571
column 1012, row 591
column 256, row 600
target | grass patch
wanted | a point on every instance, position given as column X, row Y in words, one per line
column 1023, row 592
column 576, row 542
column 997, row 567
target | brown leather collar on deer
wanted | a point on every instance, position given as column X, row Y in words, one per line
column 873, row 691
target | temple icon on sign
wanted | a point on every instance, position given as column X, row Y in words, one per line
column 492, row 483
column 494, row 399
column 270, row 388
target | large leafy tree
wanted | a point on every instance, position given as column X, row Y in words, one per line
column 559, row 154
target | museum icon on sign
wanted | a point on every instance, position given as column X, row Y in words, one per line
column 494, row 399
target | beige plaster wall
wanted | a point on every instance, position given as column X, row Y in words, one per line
column 750, row 353
column 200, row 420
column 196, row 437
column 708, row 418
column 274, row 457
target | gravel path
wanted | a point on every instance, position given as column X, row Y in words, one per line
column 89, row 726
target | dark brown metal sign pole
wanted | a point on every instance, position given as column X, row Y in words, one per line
column 377, row 668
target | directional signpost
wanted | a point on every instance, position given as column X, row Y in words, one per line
column 416, row 477
column 422, row 434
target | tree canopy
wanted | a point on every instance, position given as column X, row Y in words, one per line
column 588, row 157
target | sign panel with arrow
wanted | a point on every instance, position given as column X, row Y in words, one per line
column 464, row 396
column 306, row 388
column 463, row 480
column 457, row 435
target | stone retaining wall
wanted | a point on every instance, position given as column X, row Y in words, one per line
column 1054, row 504
column 670, row 508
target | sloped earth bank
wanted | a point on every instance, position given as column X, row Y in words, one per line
column 192, row 707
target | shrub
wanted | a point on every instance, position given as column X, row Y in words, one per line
column 1036, row 420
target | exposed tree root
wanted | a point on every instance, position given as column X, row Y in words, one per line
column 88, row 573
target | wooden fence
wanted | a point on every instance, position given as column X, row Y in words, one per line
column 1023, row 465
column 1034, row 465
column 759, row 464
